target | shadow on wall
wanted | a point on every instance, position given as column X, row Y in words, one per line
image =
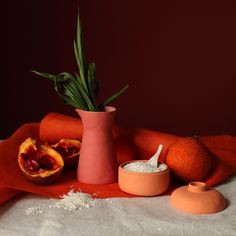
column 178, row 57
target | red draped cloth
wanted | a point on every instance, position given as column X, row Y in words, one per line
column 131, row 143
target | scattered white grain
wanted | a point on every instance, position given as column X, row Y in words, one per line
column 76, row 201
column 71, row 201
column 35, row 210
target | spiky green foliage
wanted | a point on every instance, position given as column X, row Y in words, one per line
column 81, row 90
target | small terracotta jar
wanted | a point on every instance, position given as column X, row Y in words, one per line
column 143, row 184
column 197, row 198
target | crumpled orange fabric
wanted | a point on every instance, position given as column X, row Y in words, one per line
column 131, row 143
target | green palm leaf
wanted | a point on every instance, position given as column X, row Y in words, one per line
column 114, row 96
column 45, row 75
column 81, row 90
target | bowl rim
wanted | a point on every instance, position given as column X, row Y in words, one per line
column 141, row 173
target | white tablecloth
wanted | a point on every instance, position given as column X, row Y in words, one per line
column 118, row 216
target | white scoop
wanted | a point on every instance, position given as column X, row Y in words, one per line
column 153, row 161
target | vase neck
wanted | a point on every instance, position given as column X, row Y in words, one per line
column 97, row 120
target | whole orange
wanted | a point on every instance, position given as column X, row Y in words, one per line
column 189, row 160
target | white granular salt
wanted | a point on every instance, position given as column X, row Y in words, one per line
column 76, row 201
column 71, row 201
column 35, row 210
column 144, row 167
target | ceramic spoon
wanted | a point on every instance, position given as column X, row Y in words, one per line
column 153, row 161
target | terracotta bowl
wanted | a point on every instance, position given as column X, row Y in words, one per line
column 197, row 198
column 143, row 184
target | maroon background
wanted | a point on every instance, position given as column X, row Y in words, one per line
column 179, row 58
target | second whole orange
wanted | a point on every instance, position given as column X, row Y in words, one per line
column 189, row 160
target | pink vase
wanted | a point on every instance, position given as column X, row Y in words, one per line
column 97, row 162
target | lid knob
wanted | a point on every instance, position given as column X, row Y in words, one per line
column 197, row 187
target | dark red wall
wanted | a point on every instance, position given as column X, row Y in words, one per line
column 179, row 58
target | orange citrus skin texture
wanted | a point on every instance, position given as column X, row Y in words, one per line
column 188, row 160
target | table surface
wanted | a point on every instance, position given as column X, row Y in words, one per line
column 118, row 216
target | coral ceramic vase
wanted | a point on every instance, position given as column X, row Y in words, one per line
column 97, row 162
column 197, row 198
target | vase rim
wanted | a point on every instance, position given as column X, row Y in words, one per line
column 107, row 109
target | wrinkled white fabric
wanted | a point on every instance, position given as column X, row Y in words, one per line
column 118, row 216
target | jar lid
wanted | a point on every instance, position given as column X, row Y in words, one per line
column 197, row 198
